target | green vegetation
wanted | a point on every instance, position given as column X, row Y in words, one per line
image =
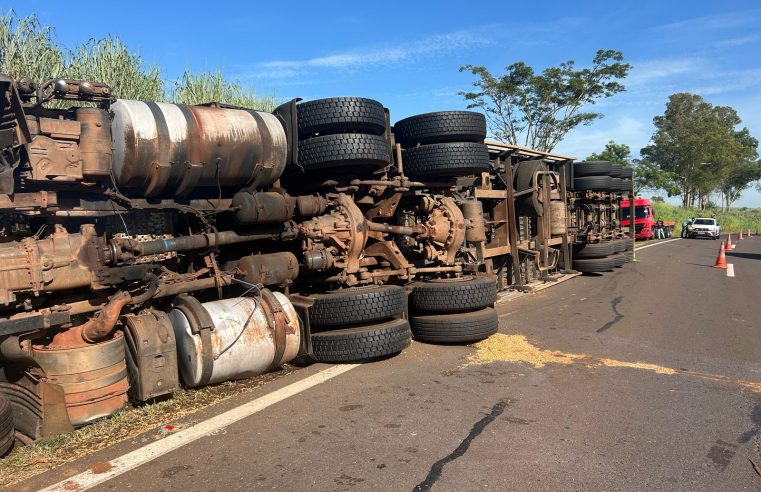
column 699, row 152
column 733, row 220
column 539, row 109
column 29, row 49
column 647, row 176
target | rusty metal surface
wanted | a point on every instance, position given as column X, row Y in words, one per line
column 160, row 146
column 93, row 377
column 151, row 355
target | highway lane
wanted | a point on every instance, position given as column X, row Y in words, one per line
column 639, row 379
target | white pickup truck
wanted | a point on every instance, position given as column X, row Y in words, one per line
column 704, row 227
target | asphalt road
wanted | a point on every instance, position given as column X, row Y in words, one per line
column 687, row 417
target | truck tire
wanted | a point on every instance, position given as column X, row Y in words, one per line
column 357, row 150
column 616, row 169
column 593, row 183
column 594, row 250
column 362, row 343
column 357, row 305
column 594, row 265
column 619, row 245
column 592, row 168
column 439, row 127
column 627, row 244
column 626, row 172
column 616, row 184
column 524, row 173
column 7, row 432
column 448, row 296
column 469, row 326
column 523, row 177
column 619, row 260
column 446, row 159
column 341, row 114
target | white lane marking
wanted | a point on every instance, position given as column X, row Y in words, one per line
column 730, row 270
column 658, row 244
column 140, row 456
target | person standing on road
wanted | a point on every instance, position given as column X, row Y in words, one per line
column 659, row 232
column 686, row 227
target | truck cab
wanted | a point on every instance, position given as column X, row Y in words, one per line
column 643, row 217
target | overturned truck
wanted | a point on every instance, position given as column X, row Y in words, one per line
column 146, row 245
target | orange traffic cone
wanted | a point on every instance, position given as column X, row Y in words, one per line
column 721, row 260
column 740, row 236
column 730, row 247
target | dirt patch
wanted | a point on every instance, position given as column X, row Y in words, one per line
column 26, row 462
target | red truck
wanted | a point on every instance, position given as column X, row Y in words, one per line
column 644, row 220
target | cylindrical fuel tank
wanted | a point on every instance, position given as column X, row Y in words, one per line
column 243, row 342
column 161, row 147
column 93, row 377
column 557, row 217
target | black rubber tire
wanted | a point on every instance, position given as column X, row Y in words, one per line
column 356, row 150
column 523, row 178
column 616, row 184
column 7, row 432
column 627, row 244
column 592, row 168
column 362, row 343
column 453, row 296
column 357, row 305
column 594, row 250
column 616, row 169
column 593, row 183
column 619, row 260
column 469, row 326
column 619, row 245
column 594, row 265
column 627, row 184
column 339, row 115
column 439, row 127
column 626, row 172
column 523, row 173
column 446, row 159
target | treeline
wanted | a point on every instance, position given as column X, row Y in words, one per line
column 30, row 49
column 698, row 152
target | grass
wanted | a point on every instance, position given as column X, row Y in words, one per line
column 31, row 49
column 733, row 221
column 26, row 462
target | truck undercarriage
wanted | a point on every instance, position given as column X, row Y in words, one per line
column 148, row 245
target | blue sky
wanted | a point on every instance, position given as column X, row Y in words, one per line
column 407, row 54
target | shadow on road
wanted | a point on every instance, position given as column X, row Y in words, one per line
column 698, row 264
column 750, row 256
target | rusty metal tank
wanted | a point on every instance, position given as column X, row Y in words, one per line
column 159, row 147
column 557, row 217
column 93, row 377
column 248, row 336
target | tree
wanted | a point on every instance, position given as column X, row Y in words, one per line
column 613, row 152
column 697, row 146
column 538, row 110
column 646, row 175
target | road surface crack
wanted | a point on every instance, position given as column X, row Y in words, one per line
column 478, row 428
column 617, row 318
